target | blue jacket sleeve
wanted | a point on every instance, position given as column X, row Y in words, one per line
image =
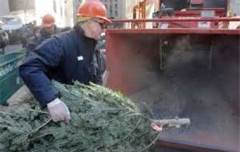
column 36, row 66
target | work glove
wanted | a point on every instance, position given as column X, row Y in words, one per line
column 58, row 111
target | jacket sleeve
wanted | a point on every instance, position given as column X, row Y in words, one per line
column 36, row 67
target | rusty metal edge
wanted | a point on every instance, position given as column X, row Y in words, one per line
column 179, row 19
column 184, row 145
column 176, row 31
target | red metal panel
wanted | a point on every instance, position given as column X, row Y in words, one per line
column 181, row 145
column 220, row 12
column 196, row 1
column 177, row 31
column 202, row 25
column 126, row 72
column 174, row 19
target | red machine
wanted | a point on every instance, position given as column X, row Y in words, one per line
column 186, row 66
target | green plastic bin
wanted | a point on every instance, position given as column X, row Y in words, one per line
column 10, row 81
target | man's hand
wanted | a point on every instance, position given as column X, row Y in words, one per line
column 58, row 111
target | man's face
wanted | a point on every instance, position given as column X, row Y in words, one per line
column 94, row 28
column 49, row 29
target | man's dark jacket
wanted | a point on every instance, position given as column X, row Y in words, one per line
column 66, row 58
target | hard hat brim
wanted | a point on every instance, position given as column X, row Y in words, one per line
column 105, row 19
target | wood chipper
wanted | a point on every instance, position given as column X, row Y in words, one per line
column 185, row 65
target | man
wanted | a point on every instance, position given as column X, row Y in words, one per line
column 67, row 57
column 48, row 28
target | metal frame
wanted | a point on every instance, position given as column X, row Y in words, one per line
column 180, row 29
column 183, row 145
column 176, row 31
column 174, row 19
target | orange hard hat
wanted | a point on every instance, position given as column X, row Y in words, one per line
column 48, row 20
column 93, row 8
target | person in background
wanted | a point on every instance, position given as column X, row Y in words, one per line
column 48, row 28
column 67, row 57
